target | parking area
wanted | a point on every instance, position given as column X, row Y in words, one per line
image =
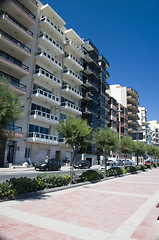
column 120, row 208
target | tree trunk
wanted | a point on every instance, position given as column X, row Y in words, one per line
column 105, row 167
column 72, row 167
column 137, row 156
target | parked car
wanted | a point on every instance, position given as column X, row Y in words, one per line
column 49, row 165
column 129, row 162
column 149, row 162
column 82, row 164
column 110, row 164
column 120, row 162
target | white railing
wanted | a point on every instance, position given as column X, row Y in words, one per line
column 46, row 94
column 44, row 115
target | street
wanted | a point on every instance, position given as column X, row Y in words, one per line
column 31, row 173
column 121, row 208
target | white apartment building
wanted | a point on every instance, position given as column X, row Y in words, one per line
column 154, row 130
column 42, row 59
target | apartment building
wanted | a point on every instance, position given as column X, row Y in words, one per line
column 103, row 97
column 113, row 123
column 154, row 131
column 128, row 98
column 42, row 61
column 143, row 133
column 18, row 30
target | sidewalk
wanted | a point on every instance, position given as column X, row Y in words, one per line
column 118, row 209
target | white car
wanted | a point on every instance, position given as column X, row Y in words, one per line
column 110, row 164
column 129, row 162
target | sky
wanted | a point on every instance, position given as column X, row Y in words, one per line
column 126, row 32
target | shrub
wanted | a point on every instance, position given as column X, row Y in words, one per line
column 23, row 185
column 46, row 181
column 114, row 171
column 14, row 186
column 138, row 167
column 143, row 167
column 68, row 178
column 154, row 165
column 5, row 190
column 124, row 170
column 91, row 175
column 149, row 166
column 130, row 169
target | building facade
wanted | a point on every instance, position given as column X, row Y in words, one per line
column 42, row 61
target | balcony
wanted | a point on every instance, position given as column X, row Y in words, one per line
column 50, row 44
column 89, row 58
column 44, row 77
column 47, row 25
column 30, row 4
column 132, row 92
column 15, row 84
column 42, row 138
column 112, row 106
column 47, row 97
column 107, row 74
column 12, row 66
column 132, row 107
column 88, row 96
column 43, row 117
column 14, row 47
column 72, row 76
column 10, row 25
column 89, row 83
column 16, row 129
column 132, row 123
column 133, row 116
column 48, row 61
column 20, row 12
column 68, row 90
column 70, row 108
column 73, row 48
column 72, row 62
column 89, row 70
column 132, row 99
column 113, row 118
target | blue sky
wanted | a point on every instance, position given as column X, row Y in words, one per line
column 126, row 32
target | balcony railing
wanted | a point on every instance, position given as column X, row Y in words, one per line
column 14, row 128
column 48, row 75
column 70, row 42
column 35, row 2
column 67, row 86
column 16, row 22
column 44, row 115
column 13, row 60
column 69, row 55
column 42, row 136
column 52, row 24
column 13, row 81
column 43, row 34
column 41, row 53
column 46, row 94
column 19, row 44
column 67, row 70
column 68, row 104
column 21, row 6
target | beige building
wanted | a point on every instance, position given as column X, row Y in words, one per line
column 42, row 61
column 127, row 98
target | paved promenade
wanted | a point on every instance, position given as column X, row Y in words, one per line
column 117, row 209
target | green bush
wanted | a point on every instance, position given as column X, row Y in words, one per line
column 149, row 166
column 143, row 167
column 46, row 181
column 91, row 175
column 14, row 186
column 130, row 169
column 5, row 190
column 114, row 171
column 68, row 178
column 154, row 165
column 138, row 167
